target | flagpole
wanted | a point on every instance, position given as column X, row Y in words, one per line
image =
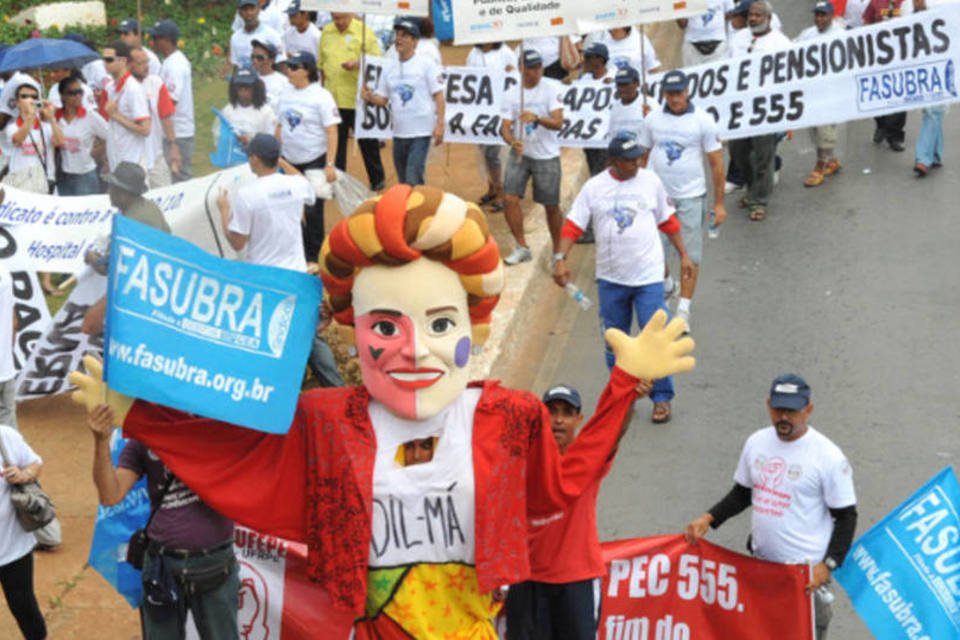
column 643, row 68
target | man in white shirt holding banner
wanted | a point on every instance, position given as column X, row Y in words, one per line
column 534, row 150
column 800, row 486
column 677, row 138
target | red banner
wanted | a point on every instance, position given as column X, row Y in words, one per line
column 661, row 588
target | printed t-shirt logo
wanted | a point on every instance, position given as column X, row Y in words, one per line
column 293, row 118
column 405, row 91
column 673, row 151
column 623, row 216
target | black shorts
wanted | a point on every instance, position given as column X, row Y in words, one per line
column 541, row 611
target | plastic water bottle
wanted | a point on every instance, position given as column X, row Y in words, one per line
column 713, row 230
column 574, row 292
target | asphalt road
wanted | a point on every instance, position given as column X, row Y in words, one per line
column 854, row 286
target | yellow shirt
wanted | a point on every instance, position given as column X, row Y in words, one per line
column 337, row 48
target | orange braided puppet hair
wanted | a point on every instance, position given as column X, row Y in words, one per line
column 407, row 223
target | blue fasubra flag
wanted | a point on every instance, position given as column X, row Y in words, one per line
column 229, row 151
column 903, row 575
column 223, row 339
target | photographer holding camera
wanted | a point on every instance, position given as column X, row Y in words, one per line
column 31, row 138
column 186, row 551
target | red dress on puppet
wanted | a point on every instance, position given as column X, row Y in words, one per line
column 315, row 484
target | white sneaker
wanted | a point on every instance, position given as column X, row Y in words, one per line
column 685, row 316
column 776, row 177
column 730, row 187
column 520, row 254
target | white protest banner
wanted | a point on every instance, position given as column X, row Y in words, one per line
column 476, row 21
column 586, row 114
column 59, row 350
column 39, row 232
column 381, row 7
column 372, row 121
column 898, row 65
column 474, row 97
column 31, row 312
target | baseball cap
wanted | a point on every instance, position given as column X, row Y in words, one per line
column 305, row 58
column 265, row 147
column 294, row 8
column 244, row 75
column 532, row 58
column 625, row 144
column 597, row 49
column 130, row 25
column 165, row 29
column 742, row 8
column 128, row 176
column 789, row 391
column 675, row 80
column 409, row 25
column 823, row 6
column 247, row 3
column 627, row 75
column 563, row 392
column 269, row 47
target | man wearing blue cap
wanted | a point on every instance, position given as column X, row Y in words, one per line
column 241, row 42
column 800, row 486
column 824, row 136
column 596, row 72
column 531, row 133
column 678, row 137
column 628, row 111
column 413, row 87
column 627, row 205
column 177, row 74
column 302, row 34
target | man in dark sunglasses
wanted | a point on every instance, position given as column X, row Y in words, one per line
column 126, row 108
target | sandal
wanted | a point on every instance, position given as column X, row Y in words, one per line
column 487, row 199
column 758, row 214
column 921, row 170
column 496, row 206
column 661, row 413
column 815, row 179
column 743, row 202
column 831, row 167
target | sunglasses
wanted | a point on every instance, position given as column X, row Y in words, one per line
column 109, row 59
column 259, row 57
column 73, row 92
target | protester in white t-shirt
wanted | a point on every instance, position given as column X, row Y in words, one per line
column 627, row 112
column 307, row 130
column 177, row 73
column 626, row 205
column 678, row 138
column 531, row 133
column 81, row 127
column 549, row 49
column 800, row 487
column 263, row 220
column 264, row 56
column 760, row 37
column 127, row 109
column 241, row 42
column 162, row 110
column 302, row 34
column 705, row 35
column 598, row 73
column 31, row 138
column 413, row 87
column 627, row 47
column 498, row 56
column 273, row 13
column 427, row 45
column 247, row 111
column 16, row 545
column 755, row 156
column 8, row 371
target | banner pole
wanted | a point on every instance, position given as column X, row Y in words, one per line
column 643, row 68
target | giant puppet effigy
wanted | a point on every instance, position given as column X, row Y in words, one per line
column 415, row 547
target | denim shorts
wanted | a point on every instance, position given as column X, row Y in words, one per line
column 545, row 174
column 691, row 213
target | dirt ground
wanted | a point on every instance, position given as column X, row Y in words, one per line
column 77, row 603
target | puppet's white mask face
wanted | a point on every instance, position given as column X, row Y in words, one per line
column 413, row 336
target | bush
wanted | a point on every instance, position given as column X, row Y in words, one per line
column 204, row 27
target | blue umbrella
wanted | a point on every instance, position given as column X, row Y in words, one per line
column 45, row 53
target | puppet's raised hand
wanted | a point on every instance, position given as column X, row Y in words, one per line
column 657, row 352
column 92, row 391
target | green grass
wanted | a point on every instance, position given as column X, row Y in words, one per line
column 207, row 93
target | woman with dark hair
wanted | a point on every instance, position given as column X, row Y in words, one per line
column 77, row 175
column 248, row 111
column 307, row 129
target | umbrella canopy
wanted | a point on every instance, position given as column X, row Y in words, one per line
column 45, row 53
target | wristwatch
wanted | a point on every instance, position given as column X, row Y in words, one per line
column 557, row 257
column 830, row 562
